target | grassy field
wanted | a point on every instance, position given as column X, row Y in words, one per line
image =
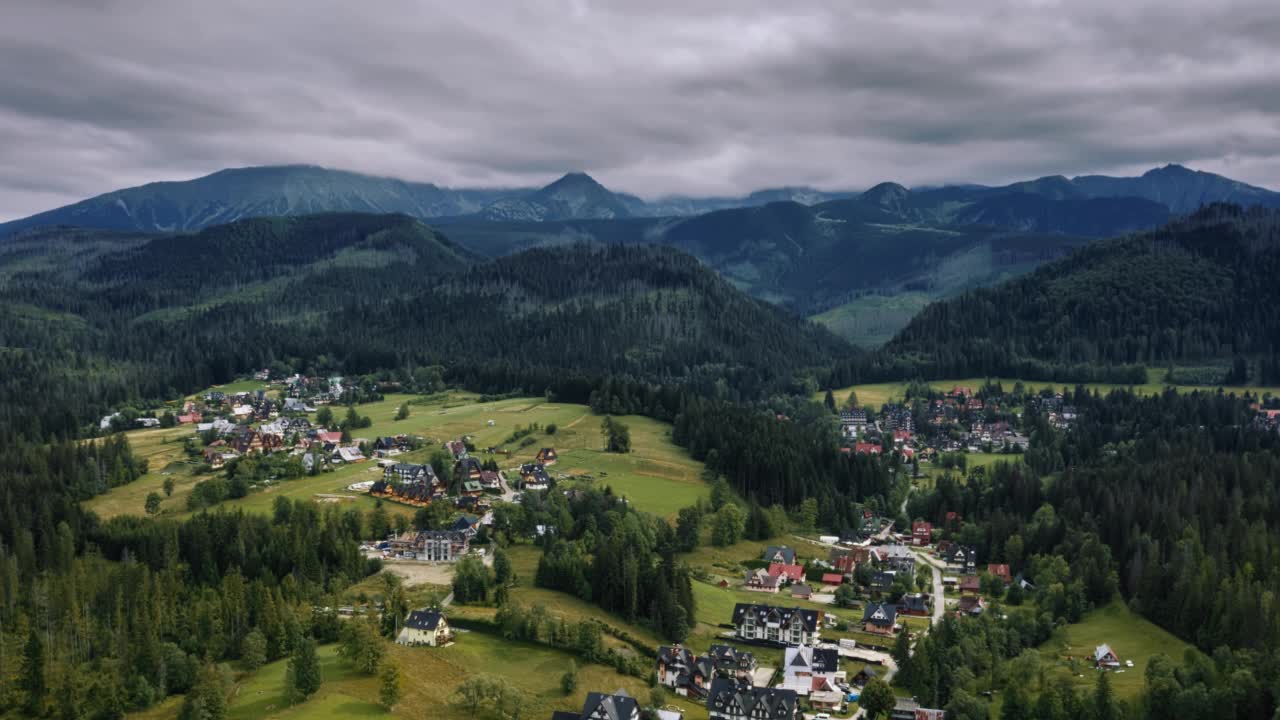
column 1130, row 636
column 876, row 394
column 657, row 476
column 872, row 320
column 430, row 676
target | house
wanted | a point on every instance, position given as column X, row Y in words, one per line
column 599, row 706
column 800, row 665
column 868, row 448
column 780, row 554
column 880, row 618
column 921, row 533
column 1105, row 657
column 468, row 468
column 970, row 584
column 731, row 662
column 950, row 582
column 961, row 557
column 882, row 581
column 790, row 573
column 468, row 525
column 472, row 488
column 832, row 579
column 189, row 418
column 329, row 436
column 825, row 694
column 1001, row 571
column 457, row 448
column 734, row 700
column 971, row 605
column 547, row 456
column 777, row 625
column 685, row 673
column 425, row 627
column 219, row 456
column 908, row 709
column 409, row 474
column 896, row 557
column 914, row 604
column 348, row 455
column 441, row 545
column 534, row 477
column 490, row 480
column 759, row 580
column 846, row 560
column 801, row 591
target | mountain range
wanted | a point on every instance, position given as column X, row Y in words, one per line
column 861, row 263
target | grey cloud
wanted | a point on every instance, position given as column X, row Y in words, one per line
column 653, row 98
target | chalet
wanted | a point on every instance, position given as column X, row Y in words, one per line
column 800, row 665
column 246, row 441
column 219, row 456
column 296, row 405
column 832, row 579
column 880, row 619
column 1106, row 658
column 468, row 468
column 547, row 456
column 846, row 560
column 971, row 605
column 789, row 573
column 685, row 673
column 733, row 700
column 776, row 625
column 896, row 557
column 962, row 557
column 425, row 627
column 348, row 455
column 759, row 580
column 468, row 525
column 387, row 444
column 825, row 694
column 921, row 533
column 472, row 488
column 409, row 474
column 189, row 418
column 1001, row 571
column 329, row 436
column 490, row 480
column 534, row 477
column 802, row 591
column 970, row 584
column 914, row 604
column 599, row 706
column 882, row 581
column 457, row 448
column 909, row 709
column 780, row 554
column 731, row 662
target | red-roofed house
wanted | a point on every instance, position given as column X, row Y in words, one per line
column 329, row 436
column 794, row 573
column 189, row 418
column 970, row 583
column 901, row 436
column 832, row 579
column 921, row 533
column 1001, row 571
column 864, row 448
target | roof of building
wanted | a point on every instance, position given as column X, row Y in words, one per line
column 618, row 706
column 882, row 614
column 808, row 618
column 423, row 619
column 733, row 698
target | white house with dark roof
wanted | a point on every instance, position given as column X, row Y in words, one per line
column 600, row 706
column 778, row 625
column 425, row 627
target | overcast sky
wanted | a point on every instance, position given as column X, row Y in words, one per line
column 651, row 97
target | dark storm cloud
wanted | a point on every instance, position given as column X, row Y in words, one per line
column 652, row 98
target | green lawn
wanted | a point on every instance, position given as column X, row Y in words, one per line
column 657, row 476
column 1130, row 636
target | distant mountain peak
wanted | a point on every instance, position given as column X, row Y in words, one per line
column 1173, row 169
column 886, row 194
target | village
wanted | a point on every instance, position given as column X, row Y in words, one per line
column 812, row 623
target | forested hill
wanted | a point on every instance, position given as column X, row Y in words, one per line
column 1199, row 289
column 126, row 318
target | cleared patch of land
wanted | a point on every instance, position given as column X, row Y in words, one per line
column 872, row 320
column 1070, row 652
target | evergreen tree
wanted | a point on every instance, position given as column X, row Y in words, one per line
column 389, row 685
column 902, row 656
column 830, row 401
column 253, row 650
column 877, row 698
column 303, row 679
column 33, row 681
column 569, row 681
column 502, row 573
column 1104, row 702
column 729, row 525
column 688, row 528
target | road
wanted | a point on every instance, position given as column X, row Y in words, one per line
column 939, row 597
